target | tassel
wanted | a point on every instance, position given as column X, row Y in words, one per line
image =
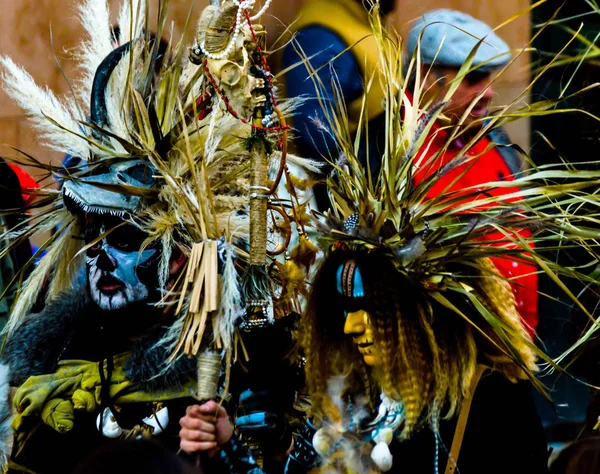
column 292, row 277
column 292, row 286
column 305, row 253
column 301, row 216
column 202, row 275
column 257, row 295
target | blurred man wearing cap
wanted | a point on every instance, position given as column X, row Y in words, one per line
column 447, row 38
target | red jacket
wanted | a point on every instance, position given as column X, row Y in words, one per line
column 489, row 166
column 28, row 184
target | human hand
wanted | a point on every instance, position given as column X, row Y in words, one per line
column 204, row 428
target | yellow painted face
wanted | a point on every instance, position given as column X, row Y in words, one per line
column 358, row 325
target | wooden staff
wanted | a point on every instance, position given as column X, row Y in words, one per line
column 259, row 195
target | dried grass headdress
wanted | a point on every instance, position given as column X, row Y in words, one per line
column 176, row 146
column 459, row 311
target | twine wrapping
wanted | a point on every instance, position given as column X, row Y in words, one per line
column 209, row 369
column 258, row 206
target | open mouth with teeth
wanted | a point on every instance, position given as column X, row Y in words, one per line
column 365, row 346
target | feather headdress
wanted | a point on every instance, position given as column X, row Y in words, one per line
column 425, row 259
column 154, row 138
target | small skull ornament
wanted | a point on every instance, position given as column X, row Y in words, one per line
column 229, row 56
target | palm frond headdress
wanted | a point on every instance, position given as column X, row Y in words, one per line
column 436, row 302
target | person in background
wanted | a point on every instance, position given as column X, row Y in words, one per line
column 447, row 38
column 336, row 38
column 15, row 187
column 17, row 190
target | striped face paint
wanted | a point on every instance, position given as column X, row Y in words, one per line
column 357, row 323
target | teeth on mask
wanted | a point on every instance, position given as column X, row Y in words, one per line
column 93, row 209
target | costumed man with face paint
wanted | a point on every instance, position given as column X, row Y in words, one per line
column 416, row 357
column 161, row 184
column 92, row 346
column 87, row 368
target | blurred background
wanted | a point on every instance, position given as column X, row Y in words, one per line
column 41, row 34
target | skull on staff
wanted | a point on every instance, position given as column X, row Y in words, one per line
column 228, row 47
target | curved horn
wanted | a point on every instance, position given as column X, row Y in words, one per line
column 98, row 113
column 214, row 26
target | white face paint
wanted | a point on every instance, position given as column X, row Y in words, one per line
column 115, row 264
column 115, row 289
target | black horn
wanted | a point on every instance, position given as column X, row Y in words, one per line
column 98, row 113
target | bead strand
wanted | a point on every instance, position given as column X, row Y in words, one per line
column 269, row 76
column 230, row 109
column 261, row 11
column 242, row 6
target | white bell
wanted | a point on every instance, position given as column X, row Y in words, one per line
column 107, row 424
column 382, row 457
column 158, row 421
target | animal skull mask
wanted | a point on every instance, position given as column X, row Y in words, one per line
column 87, row 194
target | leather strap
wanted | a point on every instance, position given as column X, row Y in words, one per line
column 461, row 424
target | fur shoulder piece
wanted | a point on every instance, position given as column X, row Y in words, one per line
column 146, row 367
column 37, row 344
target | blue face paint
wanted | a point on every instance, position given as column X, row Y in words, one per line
column 349, row 280
column 349, row 284
column 338, row 279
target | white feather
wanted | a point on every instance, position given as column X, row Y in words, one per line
column 165, row 257
column 340, row 452
column 230, row 307
column 212, row 141
column 114, row 96
column 95, row 19
column 131, row 26
column 307, row 164
column 39, row 103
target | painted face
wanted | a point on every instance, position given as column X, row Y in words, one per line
column 358, row 322
column 119, row 274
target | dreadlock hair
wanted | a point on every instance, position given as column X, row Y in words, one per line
column 427, row 353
